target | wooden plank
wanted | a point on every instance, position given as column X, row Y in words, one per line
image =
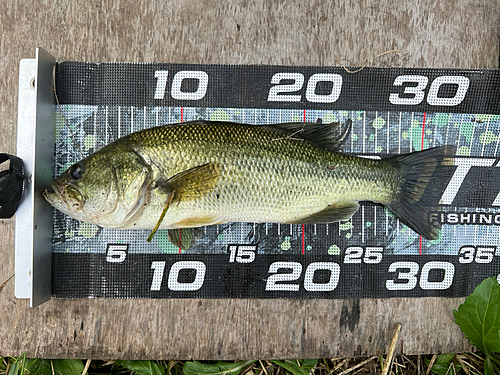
column 447, row 34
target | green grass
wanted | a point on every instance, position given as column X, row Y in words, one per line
column 465, row 363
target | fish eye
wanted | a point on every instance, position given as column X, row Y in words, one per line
column 76, row 171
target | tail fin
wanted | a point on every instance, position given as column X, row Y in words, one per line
column 423, row 171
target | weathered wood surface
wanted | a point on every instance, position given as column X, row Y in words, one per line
column 447, row 33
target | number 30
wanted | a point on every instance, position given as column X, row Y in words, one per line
column 432, row 97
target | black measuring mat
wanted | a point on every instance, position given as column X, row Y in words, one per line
column 371, row 255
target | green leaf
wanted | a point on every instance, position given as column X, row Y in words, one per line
column 479, row 317
column 223, row 368
column 495, row 358
column 441, row 364
column 440, row 369
column 142, row 367
column 18, row 365
column 31, row 366
column 444, row 359
column 13, row 368
column 68, row 366
column 488, row 367
column 292, row 366
column 308, row 364
column 38, row 366
column 44, row 368
column 494, row 362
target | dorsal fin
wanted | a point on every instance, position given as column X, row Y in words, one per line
column 331, row 136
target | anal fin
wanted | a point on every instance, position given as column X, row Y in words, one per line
column 184, row 237
column 335, row 212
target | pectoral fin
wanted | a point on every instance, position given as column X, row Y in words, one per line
column 192, row 183
column 333, row 213
column 184, row 237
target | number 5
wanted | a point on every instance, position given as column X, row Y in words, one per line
column 116, row 253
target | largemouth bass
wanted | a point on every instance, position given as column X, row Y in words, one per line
column 217, row 172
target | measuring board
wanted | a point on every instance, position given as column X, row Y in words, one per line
column 371, row 255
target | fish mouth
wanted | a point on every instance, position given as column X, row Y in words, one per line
column 65, row 196
column 53, row 197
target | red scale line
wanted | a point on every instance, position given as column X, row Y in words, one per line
column 180, row 230
column 423, row 131
column 180, row 240
column 421, row 148
column 303, row 238
column 303, row 225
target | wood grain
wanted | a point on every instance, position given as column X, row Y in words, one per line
column 435, row 34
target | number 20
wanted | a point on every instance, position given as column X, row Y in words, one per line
column 276, row 279
column 298, row 83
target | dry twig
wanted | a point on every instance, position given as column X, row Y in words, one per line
column 392, row 347
column 87, row 365
column 339, row 61
column 464, row 365
column 340, row 364
column 361, row 364
column 431, row 363
column 5, row 282
column 263, row 368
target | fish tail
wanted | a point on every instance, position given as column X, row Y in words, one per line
column 424, row 173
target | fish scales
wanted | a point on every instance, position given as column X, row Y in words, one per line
column 278, row 177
